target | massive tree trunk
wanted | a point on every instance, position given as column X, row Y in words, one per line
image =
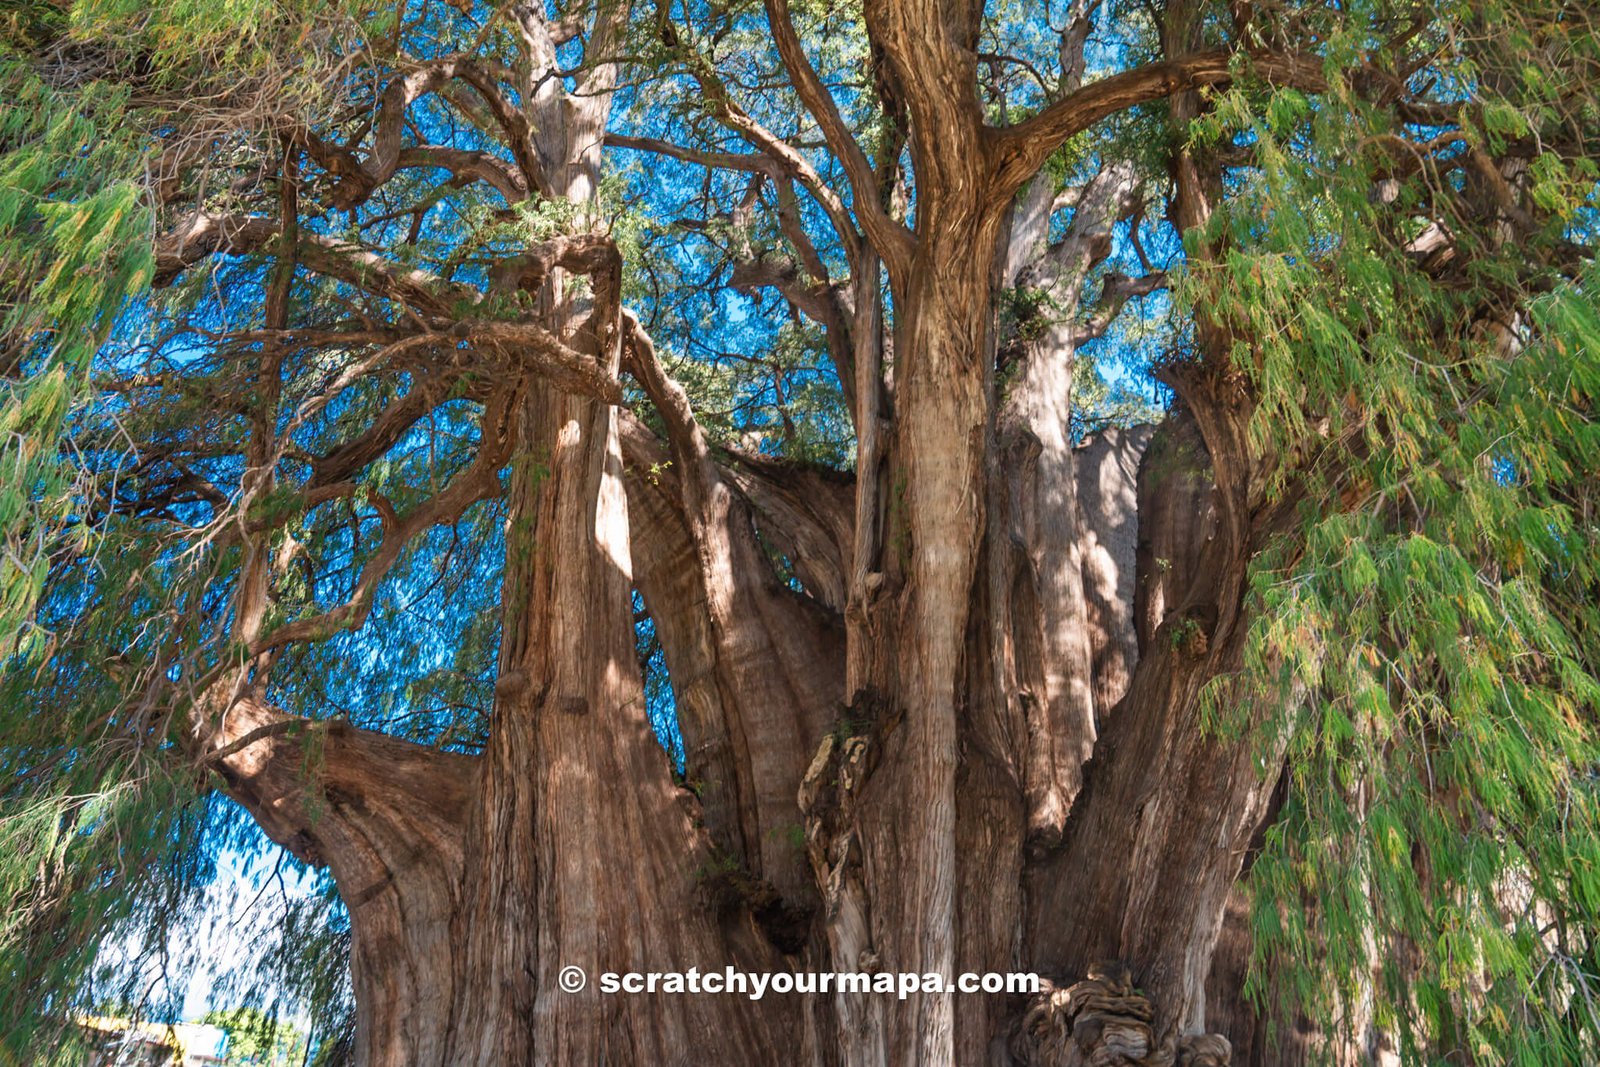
column 567, row 842
column 945, row 712
column 472, row 882
column 583, row 852
column 934, row 757
column 953, row 819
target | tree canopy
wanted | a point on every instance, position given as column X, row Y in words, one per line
column 286, row 287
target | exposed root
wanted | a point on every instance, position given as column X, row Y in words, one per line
column 1103, row 1021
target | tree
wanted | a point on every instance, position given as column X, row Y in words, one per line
column 257, row 1039
column 345, row 496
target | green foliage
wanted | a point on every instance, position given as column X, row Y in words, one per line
column 104, row 840
column 71, row 254
column 30, row 24
column 295, row 995
column 258, row 1039
column 73, row 248
column 1426, row 644
column 1429, row 636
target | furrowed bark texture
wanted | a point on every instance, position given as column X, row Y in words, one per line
column 966, row 737
column 471, row 882
column 567, row 842
column 1196, row 817
column 753, row 662
column 385, row 817
column 586, row 855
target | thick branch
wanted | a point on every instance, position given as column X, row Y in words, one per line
column 806, row 511
column 469, row 166
column 1117, row 291
column 754, row 162
column 206, row 234
column 269, row 765
column 1017, row 152
column 754, row 664
column 396, row 419
column 889, row 236
column 386, row 817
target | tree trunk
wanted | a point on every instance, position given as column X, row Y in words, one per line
column 945, row 827
column 935, row 758
column 567, row 842
column 584, row 853
column 458, row 942
column 385, row 817
column 944, row 713
column 753, row 662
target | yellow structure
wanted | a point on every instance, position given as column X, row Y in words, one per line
column 121, row 1043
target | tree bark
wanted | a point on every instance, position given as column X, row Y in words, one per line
column 755, row 665
column 473, row 882
column 1108, row 516
column 584, row 853
column 1179, row 837
column 971, row 742
column 385, row 817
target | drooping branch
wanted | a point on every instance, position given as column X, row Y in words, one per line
column 478, row 481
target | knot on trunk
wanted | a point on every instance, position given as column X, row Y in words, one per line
column 827, row 803
column 829, row 790
column 1103, row 1021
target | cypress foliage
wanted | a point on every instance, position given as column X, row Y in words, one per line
column 1427, row 635
column 1426, row 630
